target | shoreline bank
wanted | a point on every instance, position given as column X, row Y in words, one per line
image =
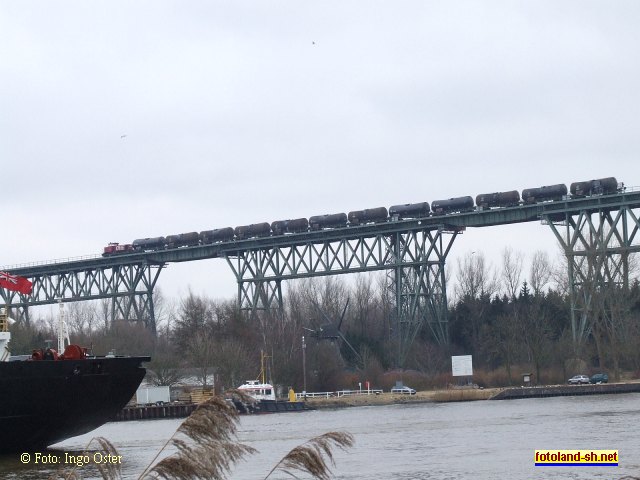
column 386, row 398
column 467, row 395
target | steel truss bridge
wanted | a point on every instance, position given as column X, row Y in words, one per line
column 597, row 233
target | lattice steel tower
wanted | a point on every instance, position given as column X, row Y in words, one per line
column 597, row 242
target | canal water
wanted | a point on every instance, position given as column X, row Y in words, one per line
column 470, row 440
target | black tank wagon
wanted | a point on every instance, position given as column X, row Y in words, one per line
column 171, row 241
column 544, row 194
column 601, row 186
column 498, row 199
column 148, row 244
column 189, row 239
column 369, row 215
column 452, row 205
column 410, row 210
column 297, row 225
column 333, row 220
column 216, row 235
column 252, row 231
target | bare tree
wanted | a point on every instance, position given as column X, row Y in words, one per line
column 165, row 365
column 559, row 275
column 195, row 314
column 512, row 271
column 541, row 272
column 386, row 306
column 104, row 312
column 202, row 355
column 614, row 324
column 124, row 337
column 503, row 339
column 329, row 293
column 82, row 317
column 234, row 364
column 477, row 282
column 164, row 311
column 476, row 278
column 364, row 302
column 537, row 332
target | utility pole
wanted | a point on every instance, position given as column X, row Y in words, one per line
column 304, row 367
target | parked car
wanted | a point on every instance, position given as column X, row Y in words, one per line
column 578, row 380
column 403, row 390
column 599, row 378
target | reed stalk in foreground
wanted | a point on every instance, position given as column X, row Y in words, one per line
column 108, row 471
column 311, row 457
column 207, row 448
column 206, row 443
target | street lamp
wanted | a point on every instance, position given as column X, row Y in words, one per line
column 304, row 367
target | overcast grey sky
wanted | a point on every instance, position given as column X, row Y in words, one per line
column 121, row 120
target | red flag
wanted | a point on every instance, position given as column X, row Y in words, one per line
column 15, row 283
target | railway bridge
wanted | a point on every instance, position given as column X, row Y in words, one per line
column 597, row 233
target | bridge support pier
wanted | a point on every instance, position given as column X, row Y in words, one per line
column 134, row 307
column 597, row 244
column 419, row 285
column 260, row 295
column 136, row 302
column 258, row 286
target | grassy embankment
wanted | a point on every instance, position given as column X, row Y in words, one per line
column 452, row 395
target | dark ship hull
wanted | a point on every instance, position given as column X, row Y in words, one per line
column 44, row 402
column 279, row 406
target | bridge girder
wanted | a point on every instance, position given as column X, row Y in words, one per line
column 129, row 286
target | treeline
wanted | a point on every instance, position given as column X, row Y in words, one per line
column 510, row 320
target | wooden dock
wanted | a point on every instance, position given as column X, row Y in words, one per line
column 183, row 410
column 566, row 390
column 169, row 410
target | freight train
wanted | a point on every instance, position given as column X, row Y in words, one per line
column 484, row 201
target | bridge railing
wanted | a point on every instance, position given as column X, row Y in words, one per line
column 49, row 262
column 339, row 393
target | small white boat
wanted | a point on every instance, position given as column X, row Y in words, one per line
column 258, row 390
column 265, row 397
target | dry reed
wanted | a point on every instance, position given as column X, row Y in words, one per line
column 108, row 470
column 206, row 443
column 207, row 448
column 311, row 457
column 462, row 395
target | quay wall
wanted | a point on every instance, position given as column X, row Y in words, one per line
column 181, row 410
column 566, row 390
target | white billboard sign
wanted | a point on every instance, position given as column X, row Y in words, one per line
column 461, row 366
